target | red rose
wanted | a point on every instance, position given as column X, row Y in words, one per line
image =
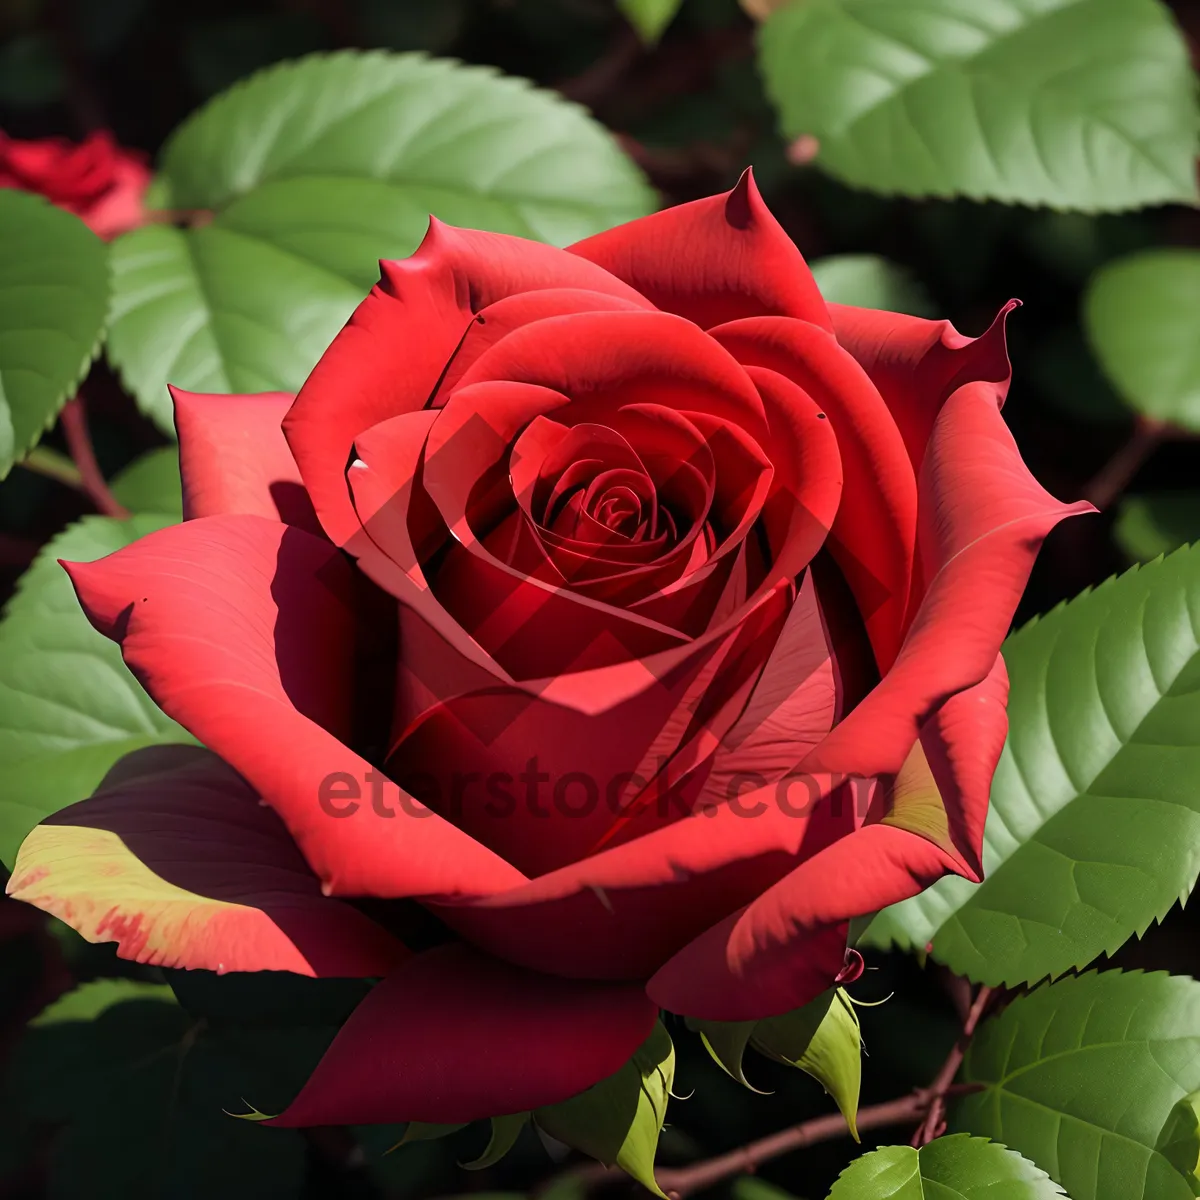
column 701, row 586
column 100, row 182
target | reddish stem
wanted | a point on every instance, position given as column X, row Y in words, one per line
column 79, row 443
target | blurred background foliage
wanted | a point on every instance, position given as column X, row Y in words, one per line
column 683, row 89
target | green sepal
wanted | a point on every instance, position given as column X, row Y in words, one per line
column 422, row 1131
column 618, row 1120
column 505, row 1131
column 824, row 1040
column 726, row 1041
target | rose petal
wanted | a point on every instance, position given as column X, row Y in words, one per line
column 175, row 860
column 621, row 913
column 234, row 459
column 713, row 260
column 787, row 946
column 242, row 630
column 983, row 519
column 875, row 531
column 917, row 364
column 390, row 356
column 455, row 1036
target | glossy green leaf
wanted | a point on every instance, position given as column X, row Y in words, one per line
column 53, row 295
column 1081, row 1076
column 1085, row 104
column 69, row 707
column 869, row 281
column 1179, row 1141
column 136, row 1099
column 823, row 1039
column 1094, row 825
column 504, row 1134
column 649, row 17
column 151, row 483
column 950, row 1168
column 1140, row 318
column 314, row 170
column 618, row 1120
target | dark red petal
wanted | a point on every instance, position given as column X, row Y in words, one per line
column 234, row 459
column 712, row 260
column 983, row 518
column 242, row 629
column 605, row 360
column 455, row 1036
column 510, row 312
column 917, row 364
column 388, row 359
column 176, row 861
column 875, row 531
column 621, row 913
column 788, row 946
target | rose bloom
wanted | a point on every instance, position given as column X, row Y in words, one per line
column 100, row 182
column 625, row 609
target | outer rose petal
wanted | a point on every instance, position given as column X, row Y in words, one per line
column 242, row 629
column 388, row 359
column 962, row 743
column 454, row 1036
column 621, row 913
column 787, row 946
column 917, row 364
column 982, row 521
column 175, row 860
column 234, row 459
column 712, row 260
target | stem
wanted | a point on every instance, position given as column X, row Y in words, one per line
column 683, row 1181
column 1113, row 478
column 934, row 1123
column 44, row 461
column 79, row 442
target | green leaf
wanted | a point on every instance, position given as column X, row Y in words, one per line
column 957, row 1168
column 823, row 1039
column 142, row 1093
column 89, row 1000
column 1094, row 825
column 53, row 293
column 1081, row 1076
column 1179, row 1141
column 151, row 483
column 618, row 1120
column 505, row 1131
column 1083, row 104
column 1147, row 526
column 649, row 17
column 69, row 707
column 313, row 171
column 1140, row 317
column 869, row 281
